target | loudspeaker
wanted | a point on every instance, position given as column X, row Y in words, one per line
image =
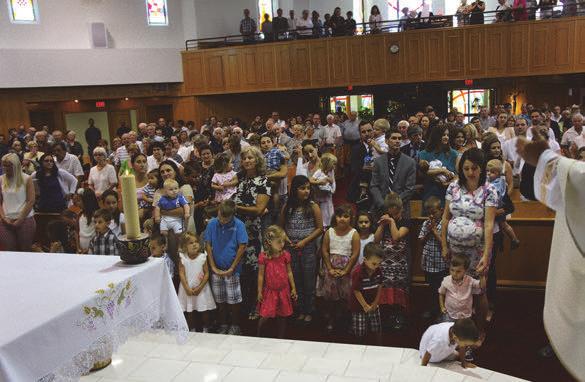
column 99, row 35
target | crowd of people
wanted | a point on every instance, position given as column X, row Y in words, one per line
column 252, row 216
column 310, row 24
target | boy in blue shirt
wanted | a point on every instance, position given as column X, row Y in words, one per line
column 225, row 243
column 171, row 199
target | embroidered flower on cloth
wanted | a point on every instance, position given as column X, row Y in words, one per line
column 107, row 304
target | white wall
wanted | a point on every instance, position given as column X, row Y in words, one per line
column 217, row 18
column 59, row 46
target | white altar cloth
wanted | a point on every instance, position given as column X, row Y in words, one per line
column 61, row 313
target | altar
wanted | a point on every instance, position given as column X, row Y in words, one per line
column 59, row 314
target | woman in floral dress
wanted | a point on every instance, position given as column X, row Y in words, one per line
column 468, row 219
column 251, row 199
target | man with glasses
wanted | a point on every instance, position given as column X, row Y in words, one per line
column 66, row 161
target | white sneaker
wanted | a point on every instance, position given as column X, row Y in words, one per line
column 234, row 330
column 223, row 329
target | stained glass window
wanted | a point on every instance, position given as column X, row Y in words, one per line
column 23, row 11
column 264, row 6
column 470, row 101
column 156, row 12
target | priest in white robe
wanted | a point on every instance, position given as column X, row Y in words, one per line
column 559, row 183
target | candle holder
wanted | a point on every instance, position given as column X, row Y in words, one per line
column 134, row 251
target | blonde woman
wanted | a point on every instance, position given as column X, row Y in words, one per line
column 17, row 198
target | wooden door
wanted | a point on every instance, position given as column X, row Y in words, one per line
column 115, row 120
column 154, row 112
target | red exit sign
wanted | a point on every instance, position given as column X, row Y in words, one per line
column 100, row 104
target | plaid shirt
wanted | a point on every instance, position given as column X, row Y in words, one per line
column 431, row 260
column 274, row 159
column 104, row 244
column 248, row 25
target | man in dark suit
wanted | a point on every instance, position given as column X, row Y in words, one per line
column 359, row 172
column 416, row 144
column 393, row 171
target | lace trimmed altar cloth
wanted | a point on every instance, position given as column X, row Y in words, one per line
column 59, row 314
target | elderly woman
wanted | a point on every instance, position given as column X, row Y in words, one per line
column 54, row 187
column 17, row 198
column 102, row 176
column 468, row 218
column 251, row 198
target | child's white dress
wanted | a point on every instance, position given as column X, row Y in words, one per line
column 194, row 274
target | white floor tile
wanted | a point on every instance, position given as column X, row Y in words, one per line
column 207, row 372
column 408, row 373
column 325, row 366
column 272, row 346
column 240, row 374
column 168, row 351
column 121, row 366
column 308, row 348
column 382, row 353
column 158, row 336
column 369, row 369
column 472, row 379
column 288, row 362
column 244, row 358
column 476, row 372
column 345, row 351
column 499, row 377
column 293, row 376
column 158, row 370
column 208, row 340
column 90, row 378
column 206, row 355
column 136, row 348
column 443, row 375
column 410, row 357
column 239, row 343
column 336, row 378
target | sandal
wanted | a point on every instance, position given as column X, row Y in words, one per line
column 308, row 319
column 301, row 317
column 253, row 316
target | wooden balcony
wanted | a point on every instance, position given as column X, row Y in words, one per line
column 543, row 47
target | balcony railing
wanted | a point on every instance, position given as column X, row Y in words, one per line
column 385, row 26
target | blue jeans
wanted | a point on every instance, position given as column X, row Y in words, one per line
column 304, row 267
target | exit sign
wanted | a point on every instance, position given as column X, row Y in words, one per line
column 100, row 104
column 468, row 82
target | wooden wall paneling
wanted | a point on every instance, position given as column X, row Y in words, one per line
column 193, row 73
column 282, row 62
column 563, row 49
column 518, row 52
column 13, row 113
column 214, row 71
column 435, row 53
column 301, row 64
column 455, row 53
column 540, row 54
column 265, row 70
column 338, row 63
column 356, row 60
column 185, row 108
column 232, row 65
column 414, row 60
column 375, row 54
column 579, row 45
column 497, row 50
column 394, row 61
column 319, row 64
column 251, row 69
column 475, row 52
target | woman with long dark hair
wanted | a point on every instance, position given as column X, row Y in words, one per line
column 438, row 150
column 54, row 186
column 301, row 220
column 375, row 20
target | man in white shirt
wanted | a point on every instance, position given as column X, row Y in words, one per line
column 66, row 161
column 122, row 151
column 351, row 129
column 276, row 119
column 403, row 128
column 304, row 25
column 331, row 133
column 292, row 21
column 237, row 131
column 485, row 120
column 572, row 133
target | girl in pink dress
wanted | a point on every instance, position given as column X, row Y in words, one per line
column 276, row 284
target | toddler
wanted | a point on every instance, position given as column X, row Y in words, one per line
column 158, row 248
column 498, row 180
column 276, row 284
column 110, row 202
column 324, row 179
column 436, row 164
column 275, row 167
column 340, row 250
column 432, row 261
column 169, row 201
column 441, row 341
column 86, row 227
column 366, row 284
column 104, row 242
column 457, row 290
column 147, row 197
column 225, row 179
column 392, row 235
column 194, row 291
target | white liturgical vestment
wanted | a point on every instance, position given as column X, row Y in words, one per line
column 560, row 183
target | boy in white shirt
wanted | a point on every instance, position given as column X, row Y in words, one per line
column 441, row 341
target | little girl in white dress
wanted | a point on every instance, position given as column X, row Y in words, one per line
column 194, row 292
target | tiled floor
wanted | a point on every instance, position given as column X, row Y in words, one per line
column 214, row 357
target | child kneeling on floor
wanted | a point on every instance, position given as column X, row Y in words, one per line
column 447, row 341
